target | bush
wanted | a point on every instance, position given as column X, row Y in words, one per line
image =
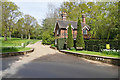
column 61, row 43
column 47, row 38
column 111, row 53
column 52, row 45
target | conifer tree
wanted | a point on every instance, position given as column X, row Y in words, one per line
column 70, row 42
column 79, row 40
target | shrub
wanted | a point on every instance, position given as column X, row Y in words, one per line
column 97, row 45
column 52, row 45
column 60, row 43
column 79, row 39
column 111, row 53
column 70, row 37
column 47, row 38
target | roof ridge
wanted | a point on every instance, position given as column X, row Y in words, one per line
column 67, row 21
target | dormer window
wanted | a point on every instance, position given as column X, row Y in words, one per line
column 84, row 31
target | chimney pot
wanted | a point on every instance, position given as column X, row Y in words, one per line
column 83, row 18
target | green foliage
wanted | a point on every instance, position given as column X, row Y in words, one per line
column 102, row 17
column 70, row 42
column 60, row 43
column 10, row 13
column 14, row 24
column 111, row 53
column 47, row 38
column 16, row 42
column 97, row 45
column 13, row 49
column 106, row 53
column 52, row 45
column 79, row 39
column 47, row 31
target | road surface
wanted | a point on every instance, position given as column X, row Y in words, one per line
column 45, row 62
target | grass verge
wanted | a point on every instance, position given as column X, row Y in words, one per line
column 15, row 42
column 108, row 54
column 14, row 49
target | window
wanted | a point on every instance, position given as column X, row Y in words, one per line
column 85, row 31
column 65, row 33
column 57, row 31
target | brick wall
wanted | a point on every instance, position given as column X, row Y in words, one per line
column 64, row 34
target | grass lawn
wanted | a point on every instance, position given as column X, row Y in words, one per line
column 108, row 54
column 13, row 49
column 15, row 41
column 11, row 44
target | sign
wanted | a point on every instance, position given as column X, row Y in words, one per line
column 107, row 46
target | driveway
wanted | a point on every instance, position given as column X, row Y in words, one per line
column 45, row 62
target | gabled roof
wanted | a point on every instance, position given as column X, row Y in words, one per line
column 64, row 24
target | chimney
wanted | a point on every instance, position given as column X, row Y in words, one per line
column 64, row 14
column 83, row 18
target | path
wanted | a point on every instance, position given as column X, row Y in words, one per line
column 48, row 63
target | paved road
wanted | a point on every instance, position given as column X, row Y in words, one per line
column 48, row 63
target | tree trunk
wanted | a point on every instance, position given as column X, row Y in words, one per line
column 10, row 35
column 108, row 36
column 21, row 36
column 29, row 36
column 26, row 36
column 5, row 34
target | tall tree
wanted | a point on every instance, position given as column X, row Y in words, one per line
column 79, row 40
column 70, row 42
column 20, row 27
column 14, row 14
column 0, row 19
column 49, row 24
column 9, row 15
column 30, row 23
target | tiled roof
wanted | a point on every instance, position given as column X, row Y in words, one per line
column 64, row 24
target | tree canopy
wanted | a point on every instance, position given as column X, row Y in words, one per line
column 102, row 17
column 16, row 24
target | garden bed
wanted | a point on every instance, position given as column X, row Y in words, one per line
column 105, row 53
column 105, row 59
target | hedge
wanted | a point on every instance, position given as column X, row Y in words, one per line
column 97, row 45
column 92, row 45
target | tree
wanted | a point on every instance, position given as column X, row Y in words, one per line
column 70, row 42
column 0, row 19
column 20, row 27
column 102, row 17
column 79, row 40
column 30, row 23
column 47, row 37
column 9, row 16
column 49, row 24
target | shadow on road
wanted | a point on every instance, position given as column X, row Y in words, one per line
column 64, row 66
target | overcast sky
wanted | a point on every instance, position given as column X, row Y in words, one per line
column 36, row 8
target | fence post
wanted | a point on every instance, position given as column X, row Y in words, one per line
column 22, row 44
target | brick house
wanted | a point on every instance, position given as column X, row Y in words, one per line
column 61, row 26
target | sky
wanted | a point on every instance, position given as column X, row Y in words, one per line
column 39, row 8
column 36, row 8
